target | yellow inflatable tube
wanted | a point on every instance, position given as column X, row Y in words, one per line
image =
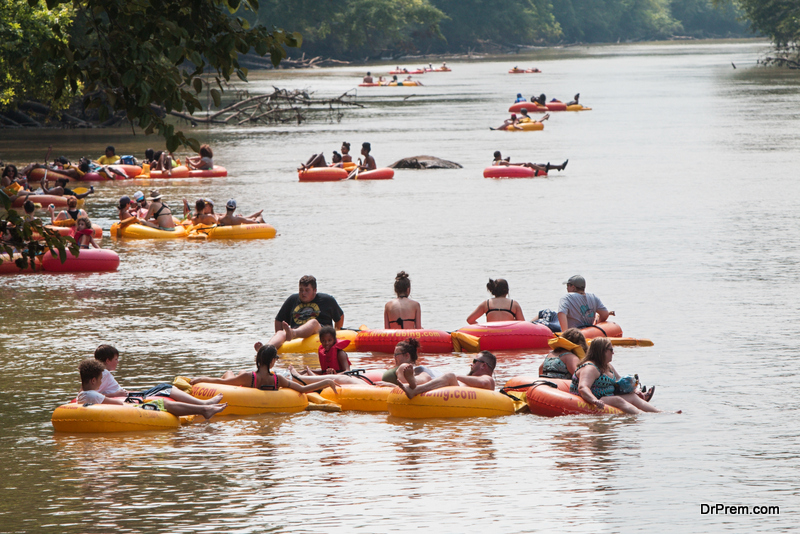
column 239, row 231
column 578, row 107
column 140, row 231
column 110, row 418
column 451, row 401
column 359, row 398
column 310, row 345
column 526, row 127
column 249, row 401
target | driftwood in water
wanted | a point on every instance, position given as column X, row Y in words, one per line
column 253, row 61
column 425, row 162
column 280, row 106
column 782, row 61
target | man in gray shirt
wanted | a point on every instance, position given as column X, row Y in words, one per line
column 577, row 308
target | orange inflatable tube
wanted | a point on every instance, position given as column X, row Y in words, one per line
column 180, row 171
column 510, row 335
column 549, row 401
column 323, row 174
column 430, row 341
column 607, row 329
column 384, row 173
column 532, row 107
column 525, row 382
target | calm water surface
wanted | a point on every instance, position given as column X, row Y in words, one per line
column 679, row 206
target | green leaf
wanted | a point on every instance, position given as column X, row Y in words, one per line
column 194, row 144
column 197, row 83
column 215, row 95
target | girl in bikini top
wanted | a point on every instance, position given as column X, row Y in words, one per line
column 402, row 305
column 498, row 288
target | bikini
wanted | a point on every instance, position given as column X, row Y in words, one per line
column 603, row 386
column 489, row 310
column 273, row 387
column 74, row 214
column 400, row 320
column 157, row 214
column 554, row 367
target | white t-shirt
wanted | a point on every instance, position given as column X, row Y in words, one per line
column 90, row 397
column 580, row 309
column 109, row 386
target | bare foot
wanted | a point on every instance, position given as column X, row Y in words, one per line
column 649, row 394
column 287, row 330
column 308, row 371
column 212, row 410
column 407, row 390
column 213, row 400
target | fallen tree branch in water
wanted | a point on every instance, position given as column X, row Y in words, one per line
column 280, row 106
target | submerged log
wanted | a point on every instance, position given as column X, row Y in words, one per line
column 425, row 162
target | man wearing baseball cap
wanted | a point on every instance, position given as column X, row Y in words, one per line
column 229, row 219
column 577, row 309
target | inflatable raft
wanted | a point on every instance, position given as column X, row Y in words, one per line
column 510, row 335
column 364, row 398
column 416, row 71
column 131, row 171
column 374, row 84
column 549, row 401
column 181, row 171
column 249, row 401
column 532, row 126
column 310, row 345
column 110, row 418
column 430, row 341
column 578, row 107
column 43, row 201
column 69, row 231
column 403, row 83
column 36, row 175
column 140, row 231
column 524, row 382
column 531, row 107
column 523, row 71
column 215, row 172
column 451, row 401
column 511, row 171
column 383, row 173
column 239, row 231
column 93, row 177
column 92, row 260
column 9, row 267
column 323, row 174
column 607, row 329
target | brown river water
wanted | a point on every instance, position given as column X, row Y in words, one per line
column 679, row 205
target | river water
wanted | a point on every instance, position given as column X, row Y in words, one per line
column 679, row 206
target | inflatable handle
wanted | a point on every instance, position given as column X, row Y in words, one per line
column 535, row 384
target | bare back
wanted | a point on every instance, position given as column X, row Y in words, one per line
column 402, row 313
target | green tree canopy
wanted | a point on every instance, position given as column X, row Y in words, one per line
column 137, row 56
column 778, row 19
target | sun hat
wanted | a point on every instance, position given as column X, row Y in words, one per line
column 155, row 194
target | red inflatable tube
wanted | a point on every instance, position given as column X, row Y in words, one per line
column 548, row 401
column 369, row 85
column 42, row 200
column 510, row 335
column 93, row 260
column 216, row 172
column 9, row 267
column 94, row 177
column 36, row 175
column 323, row 174
column 524, row 382
column 556, row 106
column 532, row 107
column 177, row 172
column 418, row 71
column 430, row 341
column 70, row 231
column 607, row 329
column 384, row 173
column 511, row 171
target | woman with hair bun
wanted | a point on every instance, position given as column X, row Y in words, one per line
column 499, row 308
column 405, row 356
column 402, row 313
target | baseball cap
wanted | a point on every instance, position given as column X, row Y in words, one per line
column 577, row 281
column 138, row 196
column 231, row 204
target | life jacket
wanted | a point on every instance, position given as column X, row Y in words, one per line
column 330, row 359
